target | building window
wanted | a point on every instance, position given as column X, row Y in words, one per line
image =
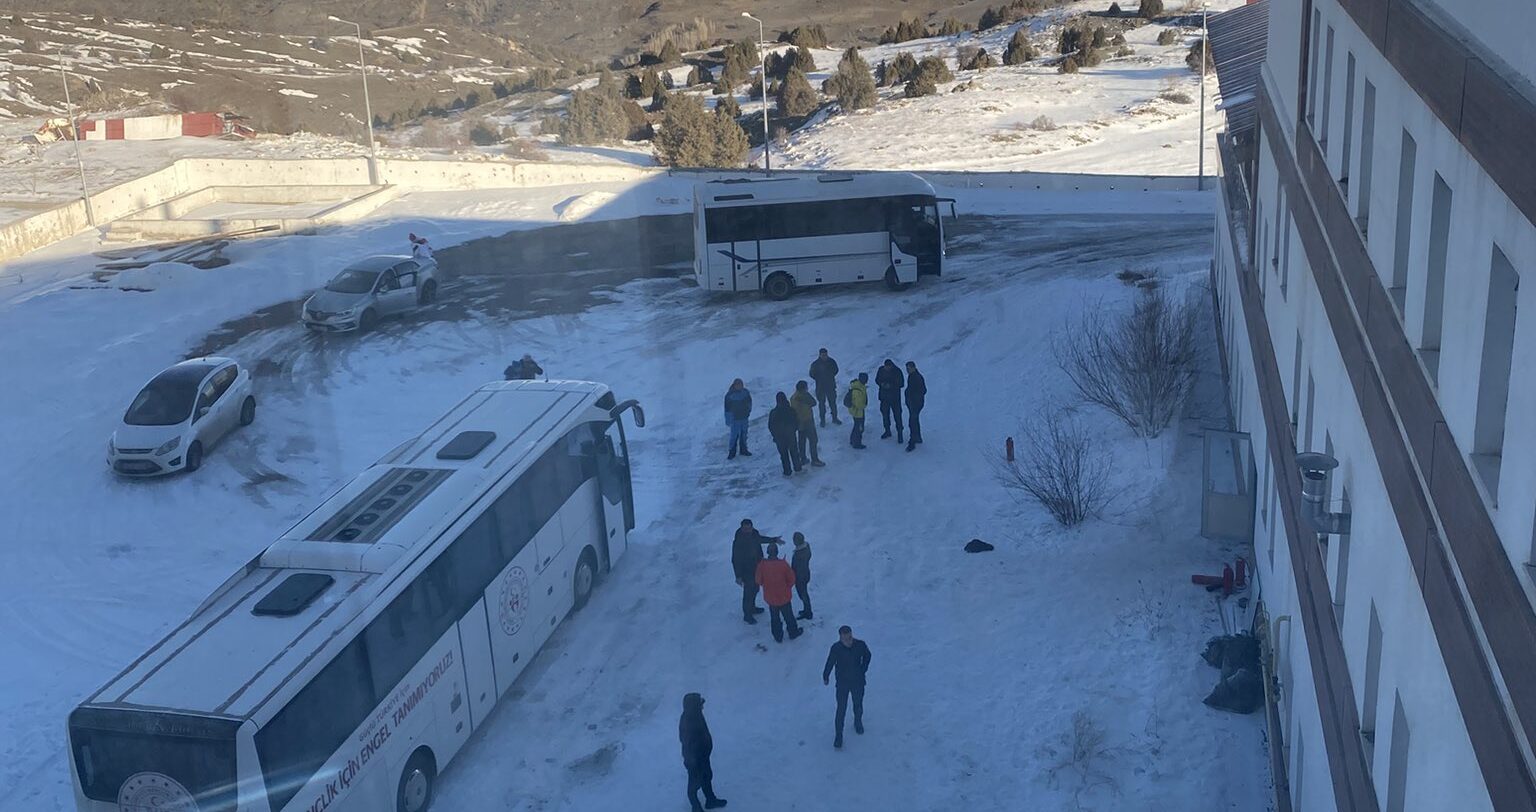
column 1372, row 681
column 1403, row 237
column 1341, row 566
column 1349, row 123
column 1327, row 92
column 1285, row 254
column 1296, row 772
column 1317, row 27
column 1397, row 769
column 1367, row 159
column 1493, row 375
column 1296, row 385
column 1311, row 410
column 1434, row 278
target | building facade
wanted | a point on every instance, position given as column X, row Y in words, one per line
column 1376, row 223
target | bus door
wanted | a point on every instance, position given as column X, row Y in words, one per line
column 615, row 497
column 915, row 233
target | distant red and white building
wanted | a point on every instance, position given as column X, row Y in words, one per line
column 149, row 128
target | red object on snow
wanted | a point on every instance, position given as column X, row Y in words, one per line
column 1242, row 571
column 1226, row 579
column 202, row 125
column 1008, row 449
column 1205, row 580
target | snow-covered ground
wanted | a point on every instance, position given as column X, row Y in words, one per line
column 980, row 661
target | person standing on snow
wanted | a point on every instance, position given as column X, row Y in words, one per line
column 889, row 381
column 738, row 410
column 419, row 248
column 777, row 578
column 746, row 551
column 824, row 373
column 805, row 414
column 857, row 400
column 849, row 657
column 917, row 394
column 524, row 369
column 693, row 732
column 800, row 562
column 783, row 427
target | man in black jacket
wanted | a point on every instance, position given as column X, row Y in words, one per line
column 917, row 395
column 784, row 427
column 800, row 562
column 693, row 732
column 824, row 373
column 849, row 657
column 889, row 381
column 746, row 551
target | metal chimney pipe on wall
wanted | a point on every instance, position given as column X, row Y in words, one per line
column 1316, row 485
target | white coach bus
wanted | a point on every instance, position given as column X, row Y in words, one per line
column 344, row 667
column 778, row 233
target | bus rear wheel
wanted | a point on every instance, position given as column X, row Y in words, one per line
column 416, row 780
column 585, row 578
column 894, row 282
column 778, row 286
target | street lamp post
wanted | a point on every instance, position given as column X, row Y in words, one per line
column 362, row 66
column 74, row 134
column 1205, row 48
column 762, row 53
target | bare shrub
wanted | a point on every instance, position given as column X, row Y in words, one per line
column 1137, row 365
column 1176, row 96
column 525, row 150
column 1042, row 123
column 1167, row 36
column 1060, row 466
column 437, row 134
column 1082, row 753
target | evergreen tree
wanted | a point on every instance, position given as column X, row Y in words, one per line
column 803, row 59
column 796, row 96
column 853, row 85
column 690, row 137
column 594, row 117
column 669, row 54
column 903, row 68
column 951, row 28
column 1019, row 50
column 934, row 70
column 728, row 106
column 920, row 86
column 1150, row 9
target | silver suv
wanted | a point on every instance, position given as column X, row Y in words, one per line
column 371, row 289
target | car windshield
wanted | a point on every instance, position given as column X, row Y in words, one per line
column 353, row 280
column 165, row 401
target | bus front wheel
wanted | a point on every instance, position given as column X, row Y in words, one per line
column 778, row 286
column 416, row 780
column 585, row 578
column 894, row 282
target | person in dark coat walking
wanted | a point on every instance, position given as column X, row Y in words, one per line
column 917, row 395
column 889, row 381
column 693, row 732
column 746, row 551
column 777, row 578
column 784, row 427
column 738, row 410
column 800, row 562
column 824, row 373
column 849, row 658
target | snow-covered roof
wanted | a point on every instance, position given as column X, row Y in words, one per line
column 229, row 660
column 825, row 186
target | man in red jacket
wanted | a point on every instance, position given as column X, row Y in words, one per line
column 777, row 579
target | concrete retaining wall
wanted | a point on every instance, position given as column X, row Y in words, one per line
column 158, row 195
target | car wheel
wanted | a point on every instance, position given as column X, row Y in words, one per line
column 585, row 578
column 367, row 321
column 428, row 293
column 248, row 411
column 894, row 282
column 194, row 457
column 778, row 286
column 416, row 780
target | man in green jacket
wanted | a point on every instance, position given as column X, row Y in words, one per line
column 858, row 401
column 805, row 409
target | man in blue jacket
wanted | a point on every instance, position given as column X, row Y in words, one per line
column 738, row 410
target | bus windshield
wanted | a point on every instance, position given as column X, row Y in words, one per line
column 132, row 767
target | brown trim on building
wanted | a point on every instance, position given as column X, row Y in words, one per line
column 1347, row 763
column 1384, row 372
column 1491, row 112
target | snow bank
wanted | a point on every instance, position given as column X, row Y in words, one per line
column 154, row 276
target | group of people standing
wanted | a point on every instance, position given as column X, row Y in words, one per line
column 793, row 421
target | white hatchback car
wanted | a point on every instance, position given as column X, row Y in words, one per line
column 179, row 415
